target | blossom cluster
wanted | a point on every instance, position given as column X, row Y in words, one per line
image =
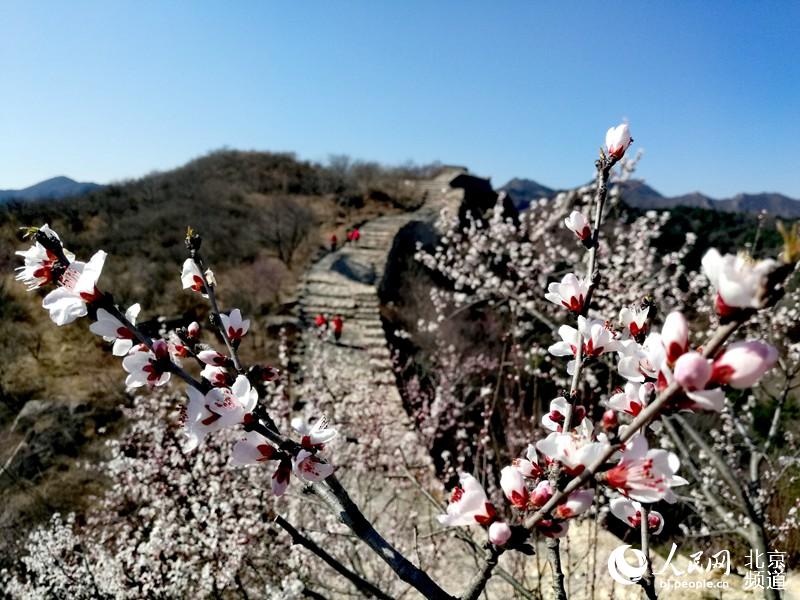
column 223, row 397
column 651, row 362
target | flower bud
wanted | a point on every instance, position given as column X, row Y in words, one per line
column 499, row 533
column 212, row 357
column 609, row 420
column 577, row 222
column 193, row 330
column 675, row 336
column 514, row 486
column 742, row 364
column 655, row 522
column 541, row 493
column 693, row 371
column 617, row 140
column 577, row 503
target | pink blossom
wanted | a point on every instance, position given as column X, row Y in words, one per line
column 740, row 281
column 554, row 419
column 596, row 336
column 645, row 475
column 148, row 367
column 235, row 327
column 638, row 362
column 570, row 293
column 468, row 504
column 77, row 287
column 112, row 330
column 281, row 477
column 253, row 449
column 528, row 466
column 314, row 436
column 309, row 467
column 220, row 407
column 216, row 376
column 634, row 319
column 39, row 262
column 632, row 399
column 630, row 512
column 575, row 451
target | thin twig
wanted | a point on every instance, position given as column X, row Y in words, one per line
column 212, row 299
column 648, row 581
column 364, row 586
column 331, row 492
column 604, row 167
column 554, row 558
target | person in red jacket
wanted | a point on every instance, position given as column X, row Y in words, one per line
column 334, row 241
column 322, row 324
column 338, row 325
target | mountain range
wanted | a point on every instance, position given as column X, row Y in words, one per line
column 635, row 192
column 638, row 194
column 56, row 187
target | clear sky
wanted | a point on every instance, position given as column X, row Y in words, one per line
column 108, row 90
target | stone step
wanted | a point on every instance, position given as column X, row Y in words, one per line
column 371, row 308
column 349, row 316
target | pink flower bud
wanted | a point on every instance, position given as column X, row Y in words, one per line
column 193, row 330
column 610, row 420
column 514, row 486
column 675, row 336
column 742, row 364
column 212, row 357
column 617, row 140
column 693, row 371
column 577, row 222
column 499, row 533
column 655, row 522
column 541, row 493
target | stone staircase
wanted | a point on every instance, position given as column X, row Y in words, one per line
column 345, row 282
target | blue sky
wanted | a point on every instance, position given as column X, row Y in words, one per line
column 109, row 90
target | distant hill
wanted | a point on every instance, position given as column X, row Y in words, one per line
column 638, row 194
column 525, row 191
column 49, row 189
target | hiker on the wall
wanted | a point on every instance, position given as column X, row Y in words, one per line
column 322, row 325
column 338, row 325
column 354, row 235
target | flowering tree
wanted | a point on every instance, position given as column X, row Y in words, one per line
column 237, row 408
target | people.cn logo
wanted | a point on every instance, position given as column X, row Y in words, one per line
column 621, row 570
